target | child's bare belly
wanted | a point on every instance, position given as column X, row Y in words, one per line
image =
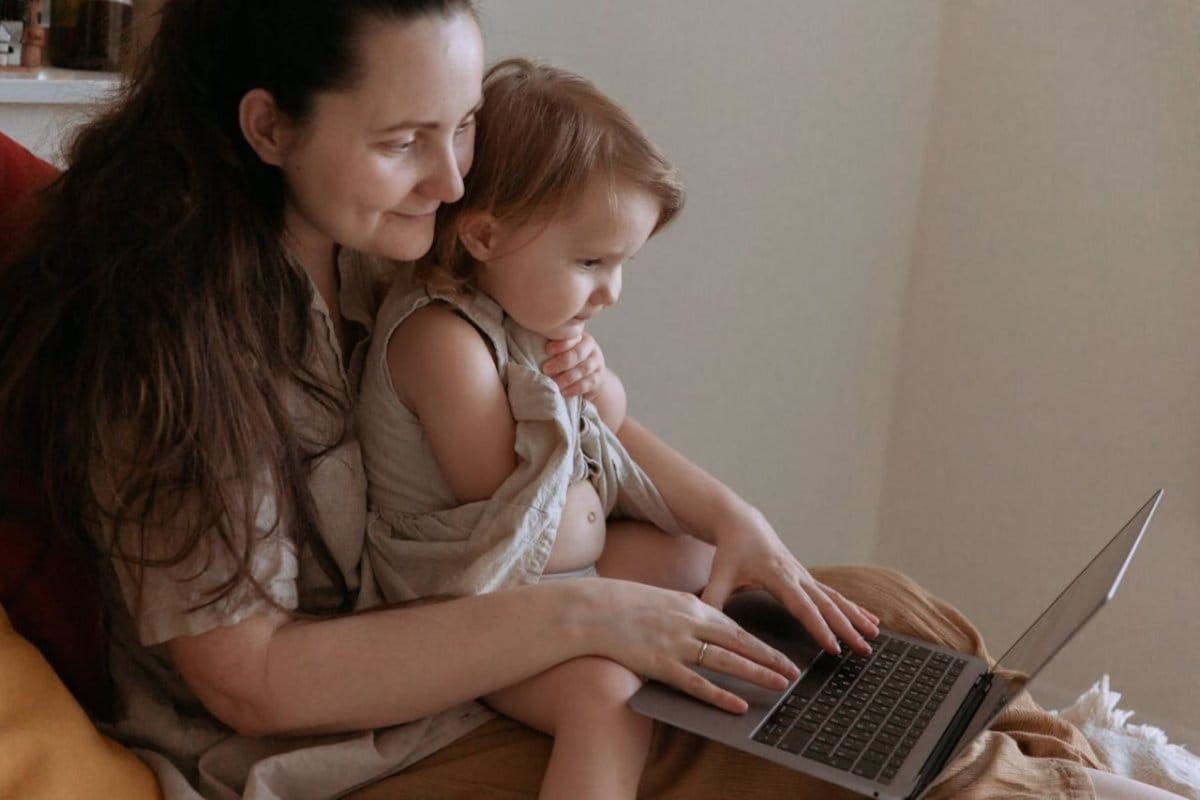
column 580, row 538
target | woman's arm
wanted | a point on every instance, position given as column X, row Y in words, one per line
column 271, row 674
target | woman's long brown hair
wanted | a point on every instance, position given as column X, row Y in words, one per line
column 155, row 327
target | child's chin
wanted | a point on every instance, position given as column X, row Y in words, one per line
column 568, row 331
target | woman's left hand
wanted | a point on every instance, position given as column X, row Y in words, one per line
column 749, row 555
column 575, row 364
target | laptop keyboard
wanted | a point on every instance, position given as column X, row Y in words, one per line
column 863, row 714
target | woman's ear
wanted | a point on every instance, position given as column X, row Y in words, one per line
column 263, row 125
column 479, row 233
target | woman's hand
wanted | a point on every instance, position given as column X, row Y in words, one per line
column 750, row 555
column 575, row 364
column 662, row 634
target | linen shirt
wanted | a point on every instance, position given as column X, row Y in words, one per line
column 420, row 540
column 194, row 755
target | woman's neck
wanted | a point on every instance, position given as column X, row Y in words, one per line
column 317, row 254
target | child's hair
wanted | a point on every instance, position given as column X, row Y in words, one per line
column 542, row 135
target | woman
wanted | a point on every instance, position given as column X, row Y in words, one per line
column 185, row 338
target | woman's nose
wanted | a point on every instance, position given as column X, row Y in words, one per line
column 445, row 180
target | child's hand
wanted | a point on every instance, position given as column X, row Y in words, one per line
column 750, row 555
column 575, row 364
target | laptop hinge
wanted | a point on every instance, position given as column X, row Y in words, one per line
column 954, row 731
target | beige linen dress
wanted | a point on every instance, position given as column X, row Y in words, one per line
column 420, row 540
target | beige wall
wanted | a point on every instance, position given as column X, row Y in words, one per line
column 1050, row 378
column 933, row 302
column 759, row 334
column 1009, row 188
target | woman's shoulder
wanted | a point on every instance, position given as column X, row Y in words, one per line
column 367, row 281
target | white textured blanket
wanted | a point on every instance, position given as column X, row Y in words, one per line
column 1141, row 752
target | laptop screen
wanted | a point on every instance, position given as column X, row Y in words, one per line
column 1090, row 590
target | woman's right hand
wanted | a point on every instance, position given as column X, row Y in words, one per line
column 659, row 633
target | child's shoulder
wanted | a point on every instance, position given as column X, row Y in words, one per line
column 436, row 326
column 436, row 345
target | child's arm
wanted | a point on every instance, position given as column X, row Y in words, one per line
column 609, row 400
column 443, row 371
column 748, row 551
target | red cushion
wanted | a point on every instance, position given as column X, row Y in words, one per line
column 48, row 581
column 49, row 588
column 21, row 175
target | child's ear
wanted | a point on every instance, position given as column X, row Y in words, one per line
column 479, row 232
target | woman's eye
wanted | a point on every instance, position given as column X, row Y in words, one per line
column 399, row 147
column 466, row 125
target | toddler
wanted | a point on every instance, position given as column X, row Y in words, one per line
column 481, row 474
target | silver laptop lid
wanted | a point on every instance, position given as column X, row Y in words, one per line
column 1090, row 590
column 1078, row 603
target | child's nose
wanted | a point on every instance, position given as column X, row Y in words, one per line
column 609, row 291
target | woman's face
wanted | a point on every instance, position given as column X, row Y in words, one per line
column 370, row 167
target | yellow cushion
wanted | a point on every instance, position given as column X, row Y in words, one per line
column 48, row 746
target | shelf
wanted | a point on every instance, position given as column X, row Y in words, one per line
column 54, row 86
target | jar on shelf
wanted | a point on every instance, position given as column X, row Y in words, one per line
column 90, row 34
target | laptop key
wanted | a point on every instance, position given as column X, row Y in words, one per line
column 794, row 741
column 768, row 734
column 833, row 760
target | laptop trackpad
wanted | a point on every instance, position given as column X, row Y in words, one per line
column 763, row 616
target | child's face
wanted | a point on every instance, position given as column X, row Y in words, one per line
column 553, row 277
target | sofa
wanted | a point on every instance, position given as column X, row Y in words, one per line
column 53, row 680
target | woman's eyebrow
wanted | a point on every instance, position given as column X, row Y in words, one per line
column 423, row 125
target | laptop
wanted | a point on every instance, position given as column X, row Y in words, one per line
column 885, row 725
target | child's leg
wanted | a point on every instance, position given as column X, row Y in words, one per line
column 638, row 551
column 600, row 744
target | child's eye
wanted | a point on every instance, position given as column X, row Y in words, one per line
column 589, row 264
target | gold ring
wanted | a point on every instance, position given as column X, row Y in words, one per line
column 700, row 655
